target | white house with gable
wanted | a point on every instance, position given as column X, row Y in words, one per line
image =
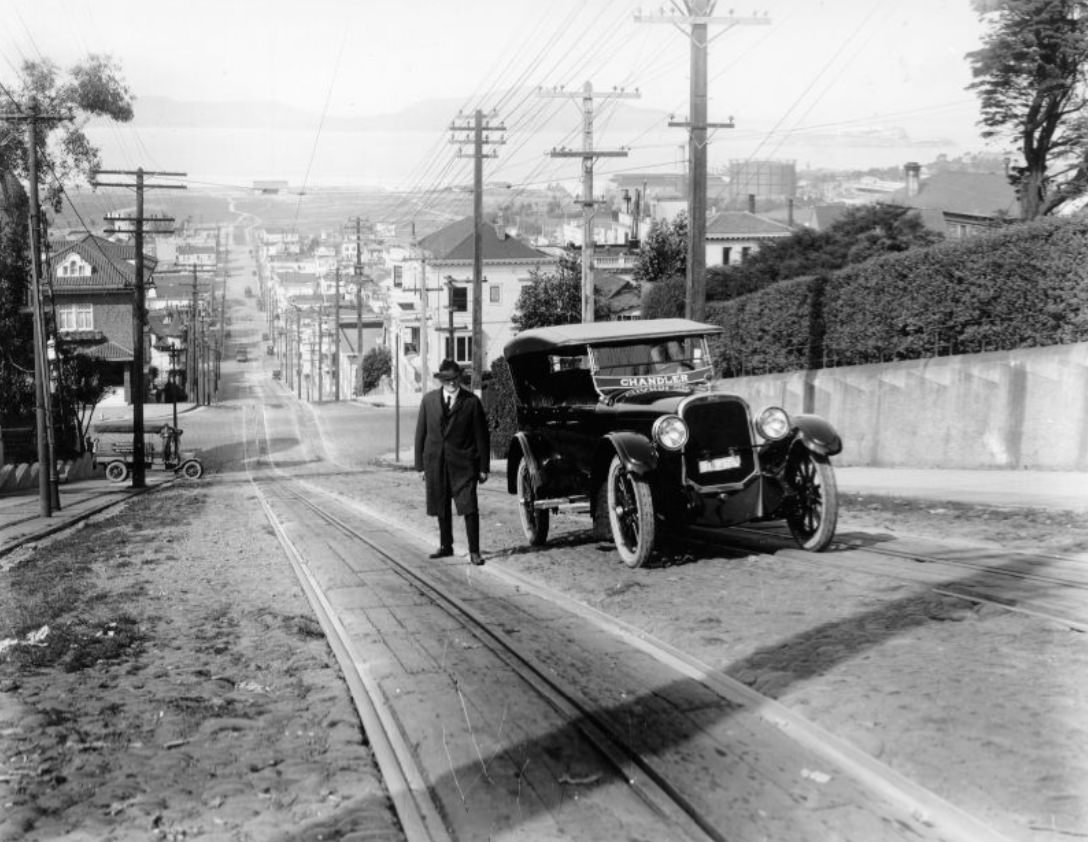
column 437, row 276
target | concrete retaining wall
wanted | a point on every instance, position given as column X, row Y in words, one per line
column 1023, row 409
column 22, row 477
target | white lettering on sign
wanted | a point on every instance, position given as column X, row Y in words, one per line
column 653, row 380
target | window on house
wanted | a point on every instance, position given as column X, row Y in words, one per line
column 495, row 293
column 745, row 252
column 725, row 255
column 459, row 299
column 460, row 349
column 75, row 317
column 398, row 276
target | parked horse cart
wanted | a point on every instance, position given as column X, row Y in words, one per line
column 112, row 445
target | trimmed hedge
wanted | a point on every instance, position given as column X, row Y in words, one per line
column 770, row 330
column 1024, row 285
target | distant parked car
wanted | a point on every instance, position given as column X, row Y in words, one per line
column 242, row 356
column 618, row 419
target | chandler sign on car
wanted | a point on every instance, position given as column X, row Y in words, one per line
column 681, row 379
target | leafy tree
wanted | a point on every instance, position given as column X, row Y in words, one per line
column 1030, row 79
column 551, row 298
column 92, row 88
column 377, row 363
column 665, row 299
column 16, row 331
column 664, row 252
column 79, row 387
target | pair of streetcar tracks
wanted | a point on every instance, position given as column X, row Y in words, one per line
column 652, row 785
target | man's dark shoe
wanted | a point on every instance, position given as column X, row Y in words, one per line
column 441, row 552
column 476, row 558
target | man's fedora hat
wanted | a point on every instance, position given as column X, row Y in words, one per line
column 449, row 371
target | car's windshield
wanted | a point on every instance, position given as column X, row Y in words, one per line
column 650, row 357
column 651, row 363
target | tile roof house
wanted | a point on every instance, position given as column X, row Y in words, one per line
column 732, row 235
column 93, row 282
column 959, row 204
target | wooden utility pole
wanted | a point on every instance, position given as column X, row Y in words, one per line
column 48, row 481
column 478, row 139
column 360, row 277
column 336, row 339
column 192, row 375
column 320, row 353
column 588, row 155
column 424, row 295
column 699, row 15
column 139, row 314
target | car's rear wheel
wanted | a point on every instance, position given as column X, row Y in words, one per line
column 631, row 513
column 534, row 521
column 116, row 471
column 814, row 510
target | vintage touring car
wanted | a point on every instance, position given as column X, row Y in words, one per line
column 619, row 418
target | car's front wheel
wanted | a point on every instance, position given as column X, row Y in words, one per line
column 814, row 510
column 631, row 513
column 534, row 521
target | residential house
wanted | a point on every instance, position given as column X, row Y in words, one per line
column 355, row 334
column 959, row 204
column 196, row 256
column 93, row 281
column 619, row 296
column 438, row 277
column 731, row 236
column 279, row 241
column 289, row 284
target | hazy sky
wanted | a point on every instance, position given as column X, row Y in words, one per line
column 838, row 64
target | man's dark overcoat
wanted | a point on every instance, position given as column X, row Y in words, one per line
column 458, row 449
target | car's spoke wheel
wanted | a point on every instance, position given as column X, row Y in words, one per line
column 814, row 509
column 534, row 521
column 192, row 469
column 631, row 513
column 116, row 471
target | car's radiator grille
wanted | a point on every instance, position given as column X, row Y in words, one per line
column 719, row 449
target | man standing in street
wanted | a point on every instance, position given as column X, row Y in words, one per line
column 453, row 454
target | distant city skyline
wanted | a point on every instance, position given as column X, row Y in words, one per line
column 840, row 66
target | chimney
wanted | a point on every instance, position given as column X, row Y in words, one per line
column 751, row 203
column 913, row 171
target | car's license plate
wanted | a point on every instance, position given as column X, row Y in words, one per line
column 722, row 463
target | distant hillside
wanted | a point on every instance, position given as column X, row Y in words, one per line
column 428, row 115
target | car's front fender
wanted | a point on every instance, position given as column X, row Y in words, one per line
column 638, row 454
column 817, row 434
column 519, row 449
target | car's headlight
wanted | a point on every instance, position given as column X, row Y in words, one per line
column 773, row 423
column 670, row 432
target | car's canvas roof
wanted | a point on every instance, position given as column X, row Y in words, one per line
column 547, row 338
